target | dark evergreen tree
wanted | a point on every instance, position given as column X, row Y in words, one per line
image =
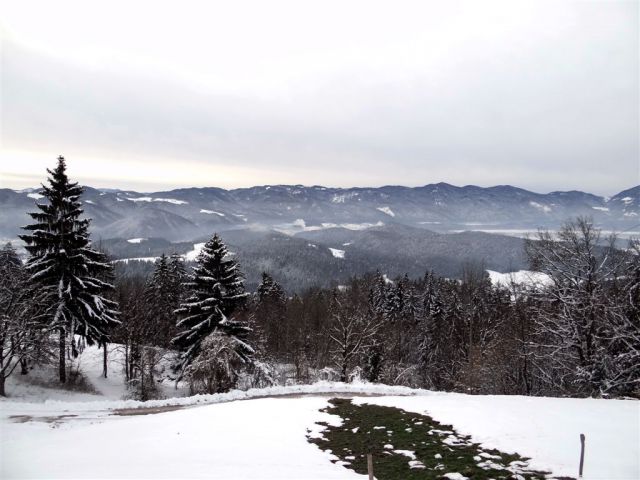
column 374, row 360
column 178, row 276
column 162, row 300
column 214, row 292
column 270, row 319
column 378, row 294
column 63, row 263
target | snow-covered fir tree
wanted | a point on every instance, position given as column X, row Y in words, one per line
column 214, row 292
column 63, row 264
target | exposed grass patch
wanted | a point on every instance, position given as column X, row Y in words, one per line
column 408, row 446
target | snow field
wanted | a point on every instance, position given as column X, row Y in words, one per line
column 258, row 439
column 545, row 429
column 266, row 437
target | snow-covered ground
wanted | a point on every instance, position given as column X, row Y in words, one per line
column 521, row 277
column 261, row 433
column 545, row 429
column 386, row 210
column 258, row 439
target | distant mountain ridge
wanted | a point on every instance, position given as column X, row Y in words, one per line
column 189, row 213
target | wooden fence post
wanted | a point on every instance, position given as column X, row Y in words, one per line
column 581, row 455
column 370, row 465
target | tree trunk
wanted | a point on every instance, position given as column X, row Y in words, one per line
column 24, row 366
column 62, row 369
column 104, row 360
column 2, row 379
column 126, row 361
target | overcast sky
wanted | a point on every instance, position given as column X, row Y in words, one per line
column 155, row 95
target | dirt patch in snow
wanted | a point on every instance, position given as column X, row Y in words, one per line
column 30, row 418
column 146, row 410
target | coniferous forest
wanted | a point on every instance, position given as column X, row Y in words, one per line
column 576, row 334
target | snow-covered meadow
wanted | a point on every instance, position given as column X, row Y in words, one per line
column 262, row 433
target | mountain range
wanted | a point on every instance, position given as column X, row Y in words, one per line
column 189, row 213
column 319, row 236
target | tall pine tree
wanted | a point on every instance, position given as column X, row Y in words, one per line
column 162, row 297
column 63, row 264
column 214, row 292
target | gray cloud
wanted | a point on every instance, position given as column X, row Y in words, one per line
column 561, row 113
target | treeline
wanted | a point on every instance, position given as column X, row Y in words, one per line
column 577, row 334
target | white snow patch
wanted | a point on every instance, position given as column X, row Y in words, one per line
column 171, row 200
column 35, row 196
column 627, row 200
column 211, row 212
column 386, row 210
column 455, row 476
column 539, row 206
column 337, row 253
column 353, row 226
column 136, row 240
column 136, row 259
column 193, row 254
column 521, row 277
column 167, row 200
column 602, row 209
column 140, row 199
column 90, row 202
column 406, row 453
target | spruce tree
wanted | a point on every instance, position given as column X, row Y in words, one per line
column 214, row 292
column 161, row 305
column 64, row 265
column 270, row 317
column 178, row 275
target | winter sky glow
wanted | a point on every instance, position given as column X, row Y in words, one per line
column 152, row 95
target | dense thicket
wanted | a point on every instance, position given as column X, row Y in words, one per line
column 24, row 316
